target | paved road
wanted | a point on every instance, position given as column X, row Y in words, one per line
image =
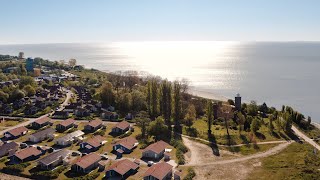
column 66, row 101
column 306, row 138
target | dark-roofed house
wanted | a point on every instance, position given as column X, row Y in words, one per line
column 69, row 138
column 107, row 115
column 81, row 112
column 61, row 114
column 155, row 150
column 7, row 147
column 159, row 171
column 16, row 132
column 66, row 124
column 42, row 135
column 122, row 169
column 41, row 122
column 121, row 127
column 87, row 163
column 126, row 145
column 54, row 159
column 27, row 154
column 93, row 144
column 93, row 125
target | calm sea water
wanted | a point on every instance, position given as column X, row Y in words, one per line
column 275, row 73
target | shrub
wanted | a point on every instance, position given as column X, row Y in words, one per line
column 15, row 168
column 88, row 177
column 191, row 174
column 125, row 135
column 101, row 133
column 181, row 149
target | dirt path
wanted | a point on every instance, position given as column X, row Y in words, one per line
column 306, row 138
column 10, row 177
column 201, row 155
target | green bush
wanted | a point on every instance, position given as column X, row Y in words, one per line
column 125, row 135
column 16, row 168
column 191, row 174
column 101, row 132
column 181, row 149
column 88, row 177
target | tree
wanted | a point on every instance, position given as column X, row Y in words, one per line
column 3, row 96
column 154, row 98
column 30, row 91
column 231, row 102
column 166, row 100
column 138, row 100
column 72, row 62
column 158, row 129
column 271, row 127
column 241, row 120
column 309, row 120
column 190, row 116
column 143, row 121
column 17, row 94
column 27, row 80
column 252, row 108
column 255, row 125
column 23, row 70
column 106, row 94
column 209, row 115
column 177, row 103
column 125, row 102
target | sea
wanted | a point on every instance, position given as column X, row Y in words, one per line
column 277, row 73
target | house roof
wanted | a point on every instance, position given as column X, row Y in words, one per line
column 123, row 166
column 54, row 156
column 5, row 148
column 159, row 170
column 17, row 131
column 157, row 147
column 43, row 120
column 43, row 133
column 95, row 141
column 88, row 160
column 67, row 122
column 70, row 136
column 30, row 151
column 122, row 125
column 128, row 142
column 95, row 123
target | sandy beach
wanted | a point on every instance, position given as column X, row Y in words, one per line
column 210, row 95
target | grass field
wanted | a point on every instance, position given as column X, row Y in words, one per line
column 289, row 164
column 220, row 134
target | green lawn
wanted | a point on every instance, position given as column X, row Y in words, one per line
column 9, row 123
column 250, row 149
column 220, row 134
column 289, row 164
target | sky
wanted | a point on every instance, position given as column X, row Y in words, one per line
column 69, row 21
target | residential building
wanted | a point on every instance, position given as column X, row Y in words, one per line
column 93, row 144
column 155, row 151
column 29, row 64
column 54, row 159
column 108, row 115
column 69, row 138
column 60, row 114
column 122, row 169
column 27, row 154
column 6, row 148
column 87, row 163
column 93, row 125
column 121, row 127
column 66, row 124
column 159, row 171
column 42, row 135
column 16, row 132
column 41, row 122
column 126, row 145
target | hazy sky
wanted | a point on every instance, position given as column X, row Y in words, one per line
column 39, row 21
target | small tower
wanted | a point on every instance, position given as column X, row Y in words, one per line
column 21, row 55
column 237, row 102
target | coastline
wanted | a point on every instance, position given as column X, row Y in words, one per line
column 206, row 94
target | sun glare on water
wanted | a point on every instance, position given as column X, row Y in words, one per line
column 174, row 60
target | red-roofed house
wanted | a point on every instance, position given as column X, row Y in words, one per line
column 159, row 171
column 87, row 163
column 16, row 132
column 66, row 124
column 155, row 150
column 121, row 127
column 41, row 122
column 27, row 154
column 93, row 125
column 126, row 144
column 122, row 169
column 93, row 144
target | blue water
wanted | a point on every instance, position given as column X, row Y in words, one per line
column 273, row 72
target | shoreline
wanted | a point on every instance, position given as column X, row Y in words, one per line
column 206, row 94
